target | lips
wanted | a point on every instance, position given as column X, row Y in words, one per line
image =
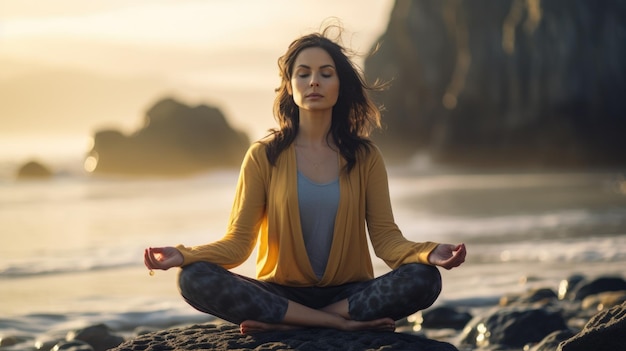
column 314, row 95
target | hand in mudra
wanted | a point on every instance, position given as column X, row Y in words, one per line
column 162, row 258
column 448, row 256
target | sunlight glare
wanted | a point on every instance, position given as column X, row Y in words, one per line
column 90, row 164
column 184, row 23
column 174, row 24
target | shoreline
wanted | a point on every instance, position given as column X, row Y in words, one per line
column 458, row 323
column 158, row 305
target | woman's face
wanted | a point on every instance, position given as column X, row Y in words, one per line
column 314, row 81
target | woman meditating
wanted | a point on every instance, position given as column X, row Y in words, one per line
column 310, row 194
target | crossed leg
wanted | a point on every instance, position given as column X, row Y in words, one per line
column 372, row 305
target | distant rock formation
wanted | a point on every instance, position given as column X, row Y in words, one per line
column 33, row 170
column 525, row 83
column 176, row 139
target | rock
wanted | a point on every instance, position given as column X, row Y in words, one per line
column 46, row 341
column 568, row 285
column 228, row 337
column 33, row 170
column 504, row 83
column 47, row 344
column 175, row 139
column 75, row 345
column 550, row 342
column 604, row 332
column 98, row 336
column 7, row 341
column 604, row 300
column 511, row 327
column 141, row 330
column 445, row 317
column 598, row 285
column 538, row 295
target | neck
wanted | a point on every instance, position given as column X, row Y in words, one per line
column 314, row 127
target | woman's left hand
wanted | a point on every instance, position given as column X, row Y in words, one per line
column 448, row 256
column 162, row 258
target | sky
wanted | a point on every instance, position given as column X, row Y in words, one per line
column 70, row 67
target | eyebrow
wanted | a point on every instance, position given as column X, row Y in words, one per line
column 324, row 66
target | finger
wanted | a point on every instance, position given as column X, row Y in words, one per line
column 458, row 258
column 149, row 259
column 455, row 260
column 154, row 263
column 463, row 252
column 459, row 251
column 146, row 259
column 458, row 255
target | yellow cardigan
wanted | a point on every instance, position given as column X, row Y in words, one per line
column 266, row 209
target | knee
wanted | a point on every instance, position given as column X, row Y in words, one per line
column 426, row 274
column 426, row 280
column 190, row 275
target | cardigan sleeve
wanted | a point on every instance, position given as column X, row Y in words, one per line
column 387, row 240
column 245, row 219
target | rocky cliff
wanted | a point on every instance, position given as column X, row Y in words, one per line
column 525, row 83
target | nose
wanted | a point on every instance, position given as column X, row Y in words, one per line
column 314, row 82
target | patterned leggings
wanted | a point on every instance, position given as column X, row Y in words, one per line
column 212, row 289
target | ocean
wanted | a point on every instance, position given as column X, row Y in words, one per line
column 72, row 246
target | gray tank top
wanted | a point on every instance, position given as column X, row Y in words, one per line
column 318, row 208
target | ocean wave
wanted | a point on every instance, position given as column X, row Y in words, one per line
column 562, row 224
column 50, row 323
column 29, row 269
column 579, row 251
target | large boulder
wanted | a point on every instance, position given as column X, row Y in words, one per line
column 175, row 139
column 603, row 332
column 99, row 337
column 552, row 340
column 445, row 317
column 504, row 83
column 228, row 337
column 599, row 285
column 511, row 327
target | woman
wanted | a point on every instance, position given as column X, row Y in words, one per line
column 306, row 194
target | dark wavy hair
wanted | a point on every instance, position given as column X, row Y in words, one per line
column 354, row 116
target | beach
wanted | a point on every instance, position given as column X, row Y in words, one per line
column 73, row 244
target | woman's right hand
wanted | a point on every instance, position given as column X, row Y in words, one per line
column 162, row 257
